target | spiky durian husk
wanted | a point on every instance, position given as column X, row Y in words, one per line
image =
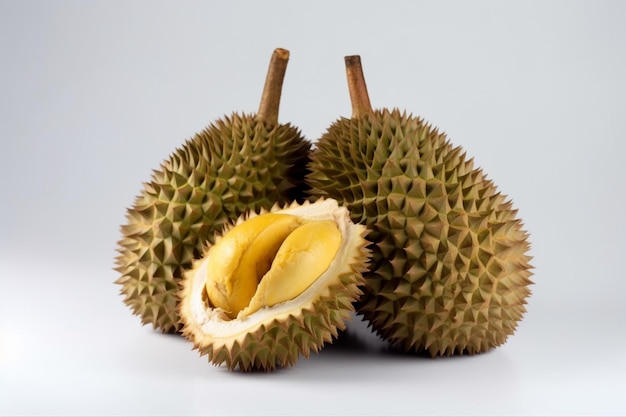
column 279, row 341
column 236, row 165
column 450, row 270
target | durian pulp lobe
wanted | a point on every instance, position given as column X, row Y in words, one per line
column 276, row 250
column 239, row 260
column 304, row 256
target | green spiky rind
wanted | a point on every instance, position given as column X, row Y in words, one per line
column 450, row 270
column 235, row 165
column 280, row 342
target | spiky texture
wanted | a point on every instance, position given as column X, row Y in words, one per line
column 450, row 270
column 235, row 165
column 279, row 341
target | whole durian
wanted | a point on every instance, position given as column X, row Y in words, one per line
column 275, row 286
column 238, row 164
column 450, row 272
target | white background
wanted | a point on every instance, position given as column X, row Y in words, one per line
column 94, row 95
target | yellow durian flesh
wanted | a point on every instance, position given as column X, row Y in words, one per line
column 242, row 257
column 306, row 253
column 297, row 309
column 254, row 265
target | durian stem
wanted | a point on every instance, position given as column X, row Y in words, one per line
column 357, row 87
column 270, row 100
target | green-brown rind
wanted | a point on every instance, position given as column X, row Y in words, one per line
column 450, row 272
column 236, row 165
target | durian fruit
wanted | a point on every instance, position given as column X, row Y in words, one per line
column 450, row 271
column 275, row 286
column 240, row 163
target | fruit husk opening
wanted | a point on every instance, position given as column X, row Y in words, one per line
column 275, row 336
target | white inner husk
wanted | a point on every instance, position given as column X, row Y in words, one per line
column 213, row 321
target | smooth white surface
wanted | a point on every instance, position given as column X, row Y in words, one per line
column 94, row 95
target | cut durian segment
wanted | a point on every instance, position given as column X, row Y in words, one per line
column 304, row 294
column 450, row 270
column 239, row 163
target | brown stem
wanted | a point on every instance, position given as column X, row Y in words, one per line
column 270, row 100
column 357, row 87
